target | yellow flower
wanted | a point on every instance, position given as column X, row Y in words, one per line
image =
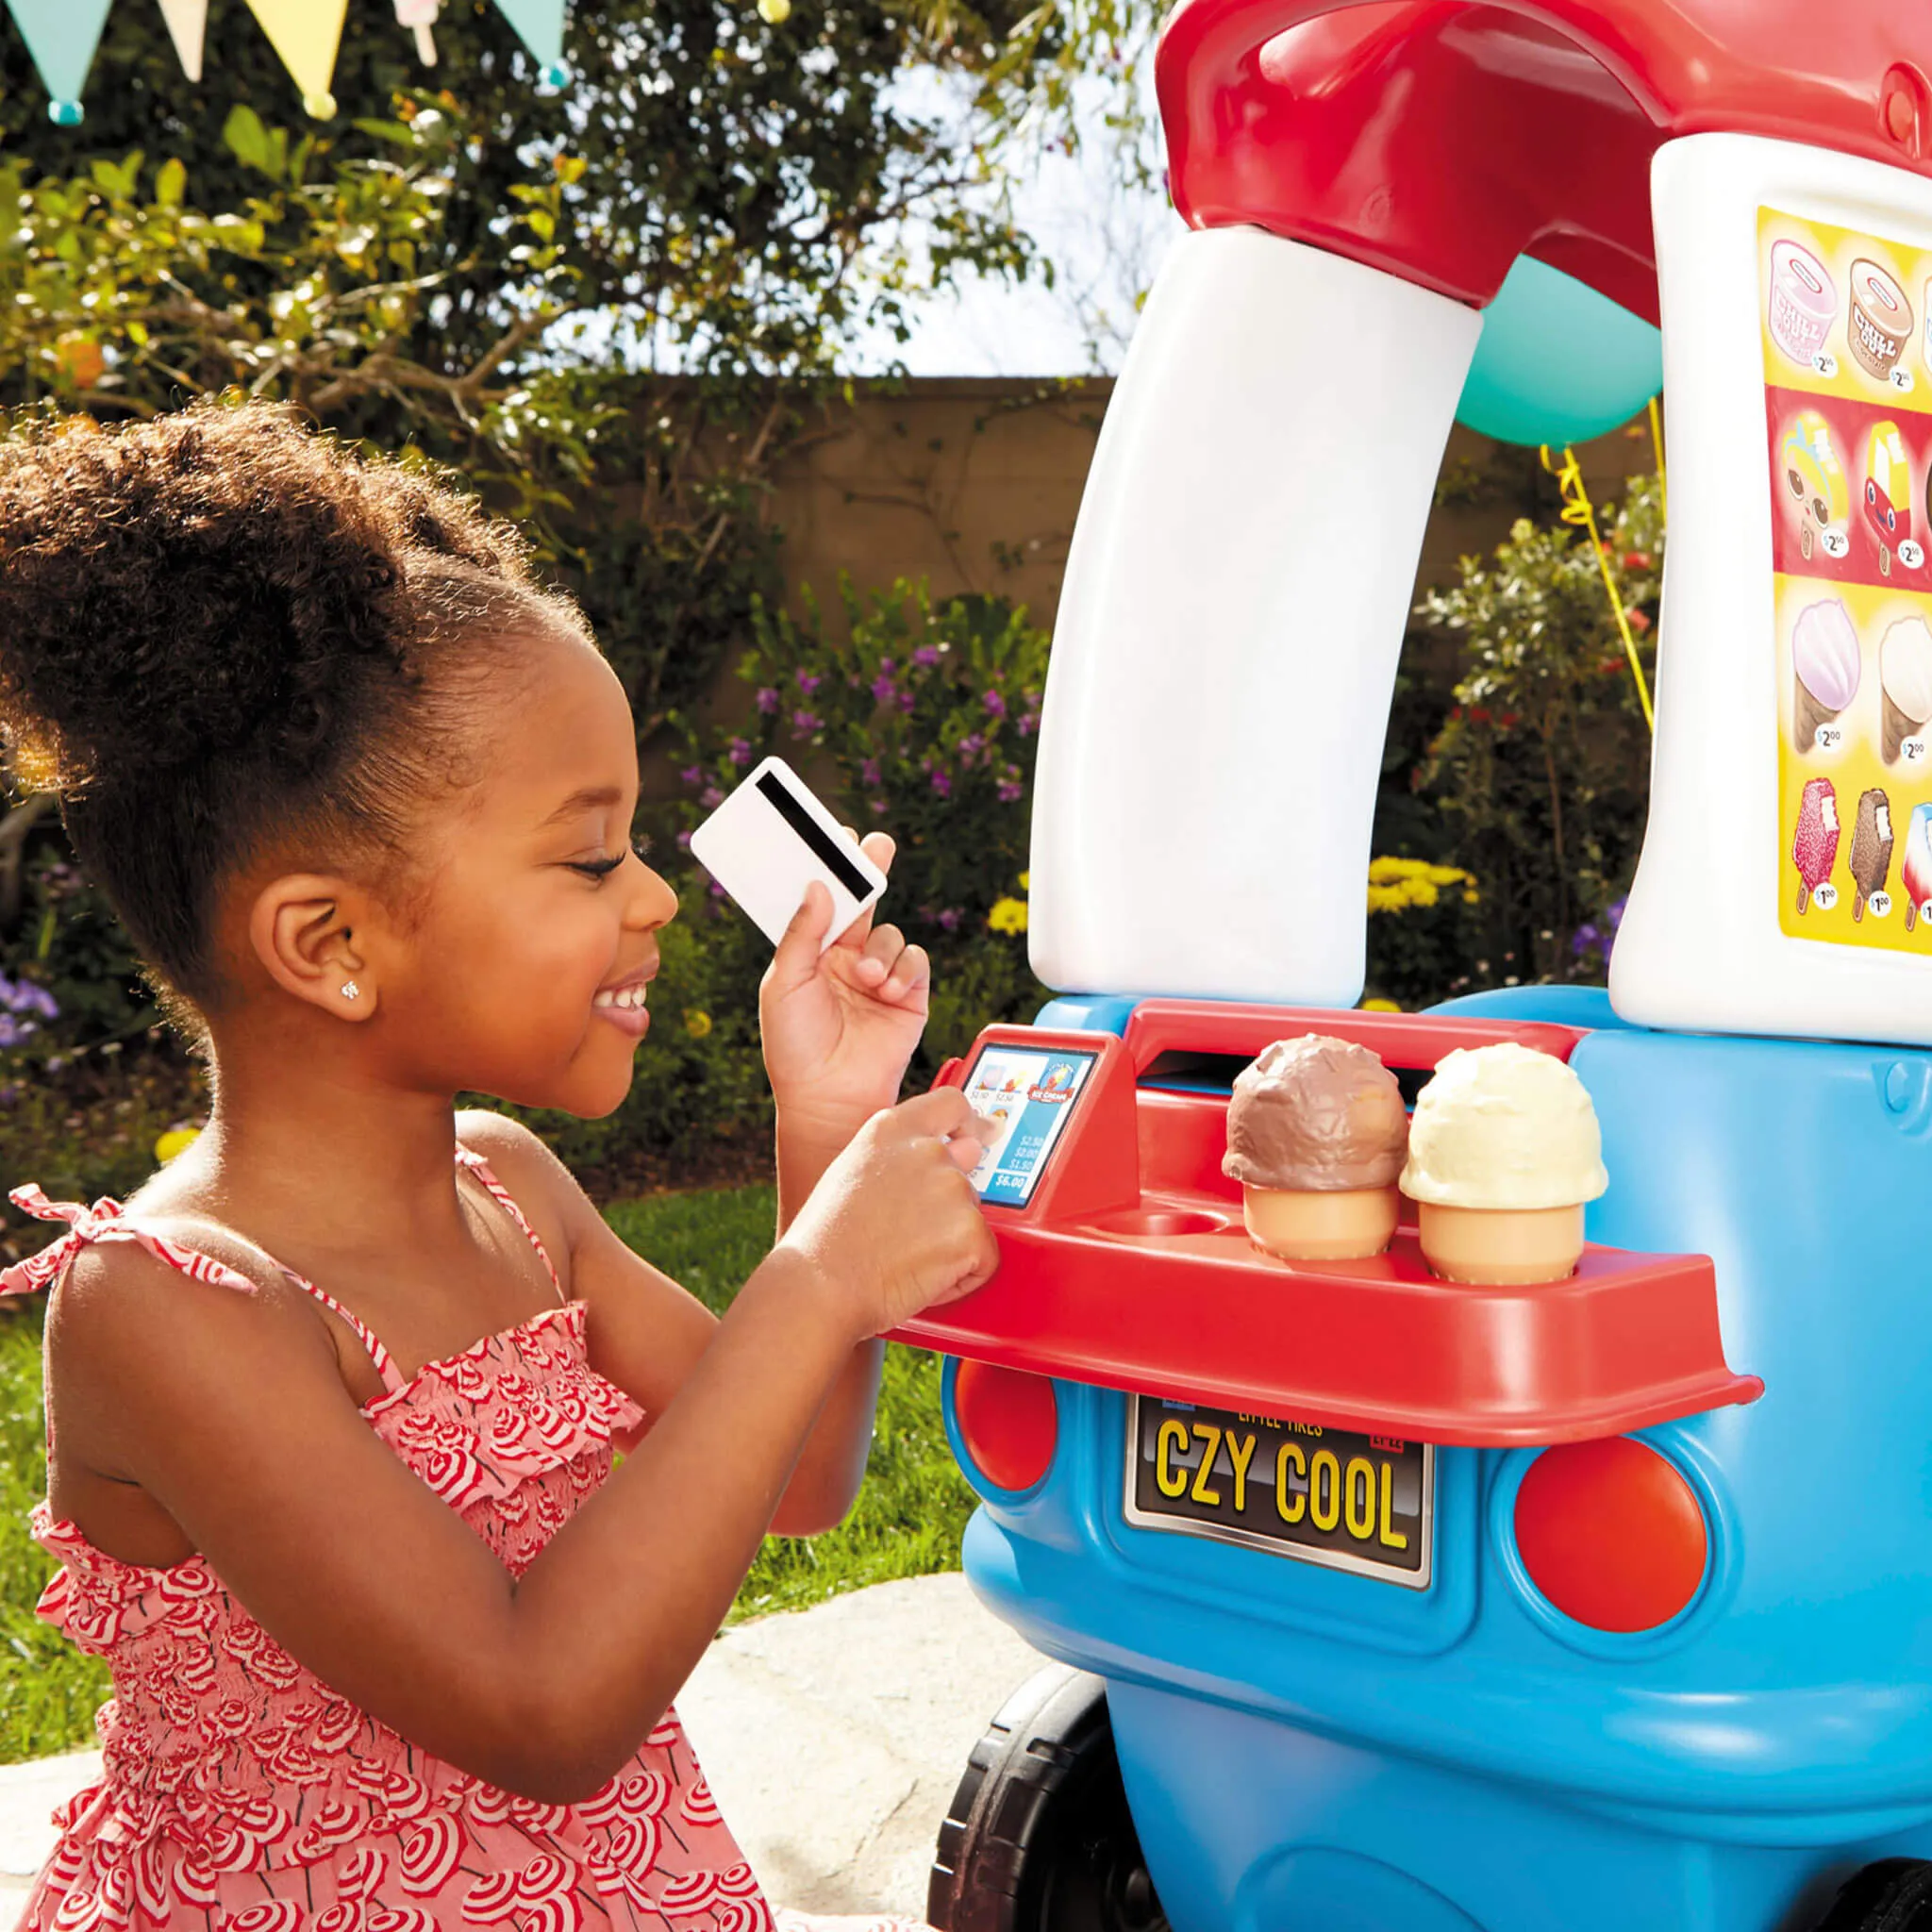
column 1381, row 1007
column 1470, row 897
column 1026, row 881
column 1007, row 915
column 1395, row 884
column 175, row 1140
column 697, row 1023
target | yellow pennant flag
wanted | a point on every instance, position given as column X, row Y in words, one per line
column 307, row 35
column 188, row 28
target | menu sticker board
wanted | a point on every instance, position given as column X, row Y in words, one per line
column 1848, row 406
column 1027, row 1093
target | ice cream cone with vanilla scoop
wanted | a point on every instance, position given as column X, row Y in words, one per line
column 1905, row 682
column 1504, row 1151
column 1316, row 1134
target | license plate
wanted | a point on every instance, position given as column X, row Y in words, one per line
column 1319, row 1495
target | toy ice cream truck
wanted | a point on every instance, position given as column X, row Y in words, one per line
column 1589, row 1604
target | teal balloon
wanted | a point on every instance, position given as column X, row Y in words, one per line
column 1557, row 362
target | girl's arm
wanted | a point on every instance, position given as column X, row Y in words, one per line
column 839, row 1025
column 231, row 1412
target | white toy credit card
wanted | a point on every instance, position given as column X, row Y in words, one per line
column 770, row 840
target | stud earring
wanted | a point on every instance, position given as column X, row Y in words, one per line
column 350, row 991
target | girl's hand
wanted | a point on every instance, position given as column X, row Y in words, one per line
column 894, row 1225
column 840, row 1025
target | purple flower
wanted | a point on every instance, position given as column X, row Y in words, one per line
column 37, row 999
column 710, row 798
column 1613, row 913
column 970, row 747
column 883, row 689
column 1011, row 791
column 949, row 919
column 885, row 666
column 9, row 1094
column 717, row 891
column 942, row 784
column 805, row 722
column 11, row 1031
column 906, row 701
column 869, row 772
column 768, row 699
column 927, row 656
column 1027, row 723
column 693, row 774
column 1586, row 939
column 740, row 751
column 996, row 703
column 808, row 681
column 684, row 841
column 878, row 806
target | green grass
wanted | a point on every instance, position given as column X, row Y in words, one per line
column 48, row 1691
column 908, row 1520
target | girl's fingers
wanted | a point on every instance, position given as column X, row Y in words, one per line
column 882, row 950
column 879, row 848
column 910, row 975
column 797, row 957
column 965, row 1152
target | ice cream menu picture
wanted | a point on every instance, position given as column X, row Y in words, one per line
column 1848, row 403
column 1027, row 1094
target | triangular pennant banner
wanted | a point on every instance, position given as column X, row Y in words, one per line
column 188, row 28
column 307, row 35
column 540, row 26
column 419, row 16
column 61, row 35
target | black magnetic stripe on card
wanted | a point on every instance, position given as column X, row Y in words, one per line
column 822, row 847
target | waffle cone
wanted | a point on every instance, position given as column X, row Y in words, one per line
column 1807, row 714
column 1501, row 1248
column 1898, row 727
column 1300, row 1224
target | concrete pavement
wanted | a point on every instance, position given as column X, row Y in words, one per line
column 832, row 1738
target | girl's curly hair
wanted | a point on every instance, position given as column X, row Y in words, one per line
column 224, row 634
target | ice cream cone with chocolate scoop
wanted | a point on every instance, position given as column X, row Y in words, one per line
column 1503, row 1150
column 1316, row 1133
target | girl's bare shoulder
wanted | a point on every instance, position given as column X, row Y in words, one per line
column 535, row 1179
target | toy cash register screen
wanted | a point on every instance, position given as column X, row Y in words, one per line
column 1027, row 1093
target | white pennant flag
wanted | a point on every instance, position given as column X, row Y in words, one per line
column 420, row 16
column 188, row 28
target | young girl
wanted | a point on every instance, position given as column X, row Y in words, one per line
column 332, row 1401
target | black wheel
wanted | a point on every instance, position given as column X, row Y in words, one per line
column 1894, row 1895
column 1039, row 1837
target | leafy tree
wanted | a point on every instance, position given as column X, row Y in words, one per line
column 730, row 175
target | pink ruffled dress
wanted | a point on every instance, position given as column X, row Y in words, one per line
column 240, row 1793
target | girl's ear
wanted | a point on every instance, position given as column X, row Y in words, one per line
column 304, row 929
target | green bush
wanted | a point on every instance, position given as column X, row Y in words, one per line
column 1541, row 768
